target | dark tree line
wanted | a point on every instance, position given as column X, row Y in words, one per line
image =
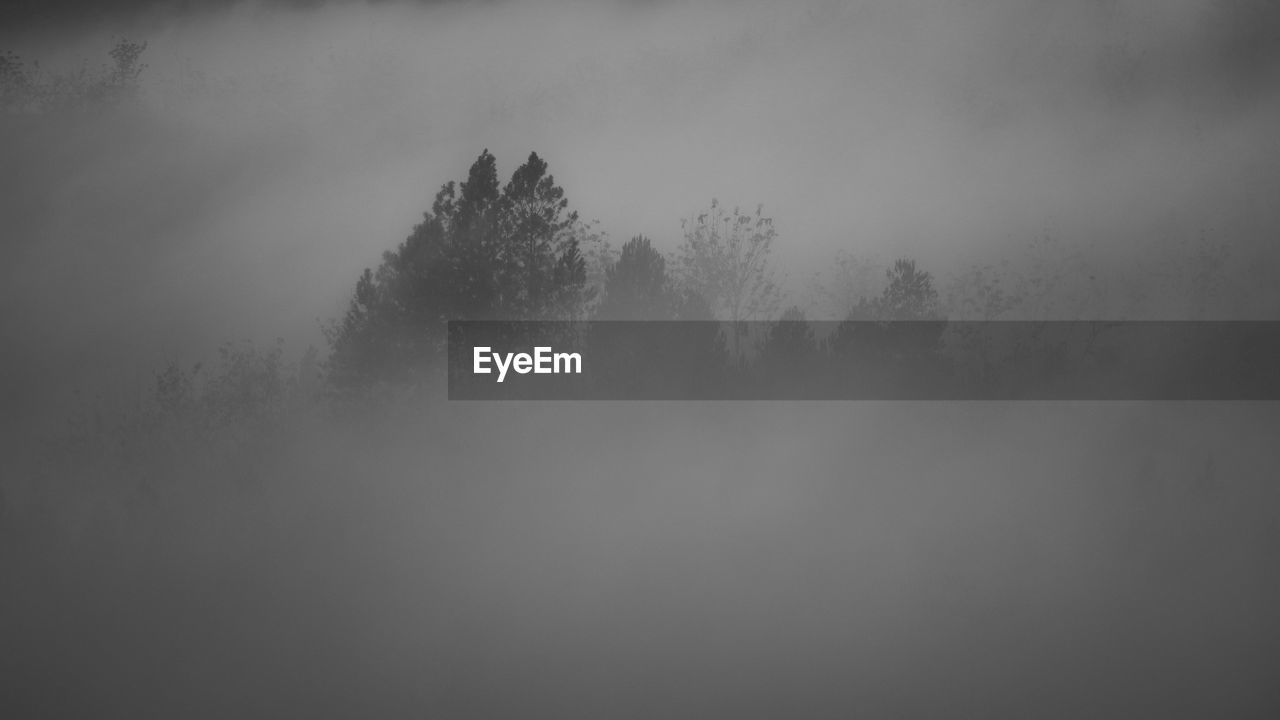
column 487, row 251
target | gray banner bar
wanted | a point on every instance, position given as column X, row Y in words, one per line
column 1051, row 360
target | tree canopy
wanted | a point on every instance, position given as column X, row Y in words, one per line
column 484, row 251
column 724, row 257
column 637, row 286
column 910, row 295
column 26, row 89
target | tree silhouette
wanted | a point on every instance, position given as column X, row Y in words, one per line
column 637, row 286
column 666, row 358
column 910, row 295
column 789, row 355
column 879, row 338
column 483, row 252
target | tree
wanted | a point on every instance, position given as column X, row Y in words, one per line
column 26, row 90
column 791, row 335
column 544, row 267
column 910, row 295
column 637, row 286
column 483, row 252
column 789, row 354
column 125, row 68
column 19, row 83
column 879, row 338
column 665, row 358
column 725, row 258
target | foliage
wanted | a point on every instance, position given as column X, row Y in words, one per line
column 26, row 89
column 790, row 346
column 909, row 295
column 483, row 252
column 637, row 286
column 724, row 257
column 247, row 385
column 599, row 254
column 212, row 425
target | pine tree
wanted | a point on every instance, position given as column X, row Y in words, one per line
column 637, row 286
column 483, row 252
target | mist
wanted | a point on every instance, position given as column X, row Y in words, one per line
column 421, row 557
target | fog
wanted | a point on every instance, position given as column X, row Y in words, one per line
column 646, row 559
